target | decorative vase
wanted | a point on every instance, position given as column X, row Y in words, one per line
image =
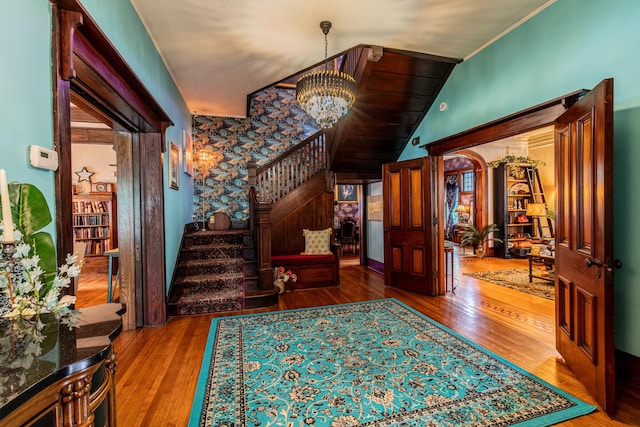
column 480, row 251
column 280, row 285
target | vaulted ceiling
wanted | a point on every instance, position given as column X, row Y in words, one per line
column 221, row 51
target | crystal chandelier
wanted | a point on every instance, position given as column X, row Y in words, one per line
column 326, row 95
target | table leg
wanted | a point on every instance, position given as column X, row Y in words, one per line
column 530, row 269
column 448, row 268
column 110, row 272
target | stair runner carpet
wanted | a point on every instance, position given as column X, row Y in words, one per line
column 213, row 279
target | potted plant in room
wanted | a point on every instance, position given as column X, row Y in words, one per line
column 510, row 158
column 476, row 238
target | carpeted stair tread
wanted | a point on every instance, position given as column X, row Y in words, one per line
column 224, row 300
column 194, row 267
column 212, row 282
column 210, row 262
column 215, row 272
column 209, row 247
column 232, row 231
column 214, row 251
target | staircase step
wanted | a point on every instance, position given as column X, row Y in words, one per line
column 210, row 303
column 217, row 271
column 257, row 299
column 216, row 237
column 210, row 283
column 213, row 251
column 210, row 266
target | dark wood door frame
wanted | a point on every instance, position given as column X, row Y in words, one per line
column 532, row 118
column 86, row 64
column 536, row 117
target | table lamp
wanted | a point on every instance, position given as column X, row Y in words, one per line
column 536, row 210
column 463, row 213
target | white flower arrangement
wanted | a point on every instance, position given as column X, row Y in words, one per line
column 22, row 280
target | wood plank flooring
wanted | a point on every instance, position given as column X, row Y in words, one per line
column 158, row 367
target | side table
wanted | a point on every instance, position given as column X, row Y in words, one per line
column 546, row 259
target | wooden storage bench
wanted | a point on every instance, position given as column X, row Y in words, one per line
column 313, row 271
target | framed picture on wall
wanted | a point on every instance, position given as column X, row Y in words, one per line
column 374, row 208
column 347, row 193
column 187, row 149
column 174, row 162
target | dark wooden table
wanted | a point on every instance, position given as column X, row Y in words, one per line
column 546, row 259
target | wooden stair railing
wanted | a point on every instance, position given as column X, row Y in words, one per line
column 275, row 180
column 291, row 169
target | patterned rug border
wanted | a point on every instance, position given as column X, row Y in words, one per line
column 581, row 408
column 539, row 287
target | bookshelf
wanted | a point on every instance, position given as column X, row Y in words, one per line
column 516, row 186
column 94, row 222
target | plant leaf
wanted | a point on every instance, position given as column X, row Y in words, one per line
column 30, row 213
column 29, row 208
column 43, row 245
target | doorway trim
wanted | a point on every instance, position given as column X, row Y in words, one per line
column 536, row 117
column 85, row 63
column 481, row 187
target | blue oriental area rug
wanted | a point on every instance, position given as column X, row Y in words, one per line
column 377, row 363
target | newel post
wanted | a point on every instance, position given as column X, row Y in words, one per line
column 260, row 216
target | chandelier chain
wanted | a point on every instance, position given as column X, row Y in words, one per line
column 326, row 49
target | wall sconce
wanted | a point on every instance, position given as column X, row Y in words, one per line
column 205, row 159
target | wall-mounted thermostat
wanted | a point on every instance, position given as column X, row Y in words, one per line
column 43, row 158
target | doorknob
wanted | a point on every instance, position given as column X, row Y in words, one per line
column 590, row 262
column 617, row 264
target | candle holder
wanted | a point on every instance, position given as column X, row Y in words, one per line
column 11, row 268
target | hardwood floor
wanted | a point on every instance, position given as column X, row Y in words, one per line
column 158, row 367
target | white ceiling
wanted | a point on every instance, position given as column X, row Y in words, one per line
column 219, row 51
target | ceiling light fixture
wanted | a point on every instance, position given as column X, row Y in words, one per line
column 326, row 95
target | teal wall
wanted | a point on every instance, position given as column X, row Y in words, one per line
column 573, row 44
column 26, row 96
column 25, row 92
column 121, row 25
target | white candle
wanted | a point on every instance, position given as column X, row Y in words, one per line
column 6, row 208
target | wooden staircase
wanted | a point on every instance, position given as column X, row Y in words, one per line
column 230, row 270
column 216, row 272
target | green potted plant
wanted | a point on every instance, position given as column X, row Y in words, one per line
column 476, row 238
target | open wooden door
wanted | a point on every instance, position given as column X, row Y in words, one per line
column 413, row 252
column 584, row 241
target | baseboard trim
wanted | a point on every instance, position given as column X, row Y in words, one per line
column 627, row 366
column 375, row 265
column 628, row 378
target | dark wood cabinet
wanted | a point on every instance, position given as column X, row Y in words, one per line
column 55, row 376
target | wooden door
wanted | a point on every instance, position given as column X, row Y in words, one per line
column 413, row 253
column 584, row 241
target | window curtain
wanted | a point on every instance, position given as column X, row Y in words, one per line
column 451, row 201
